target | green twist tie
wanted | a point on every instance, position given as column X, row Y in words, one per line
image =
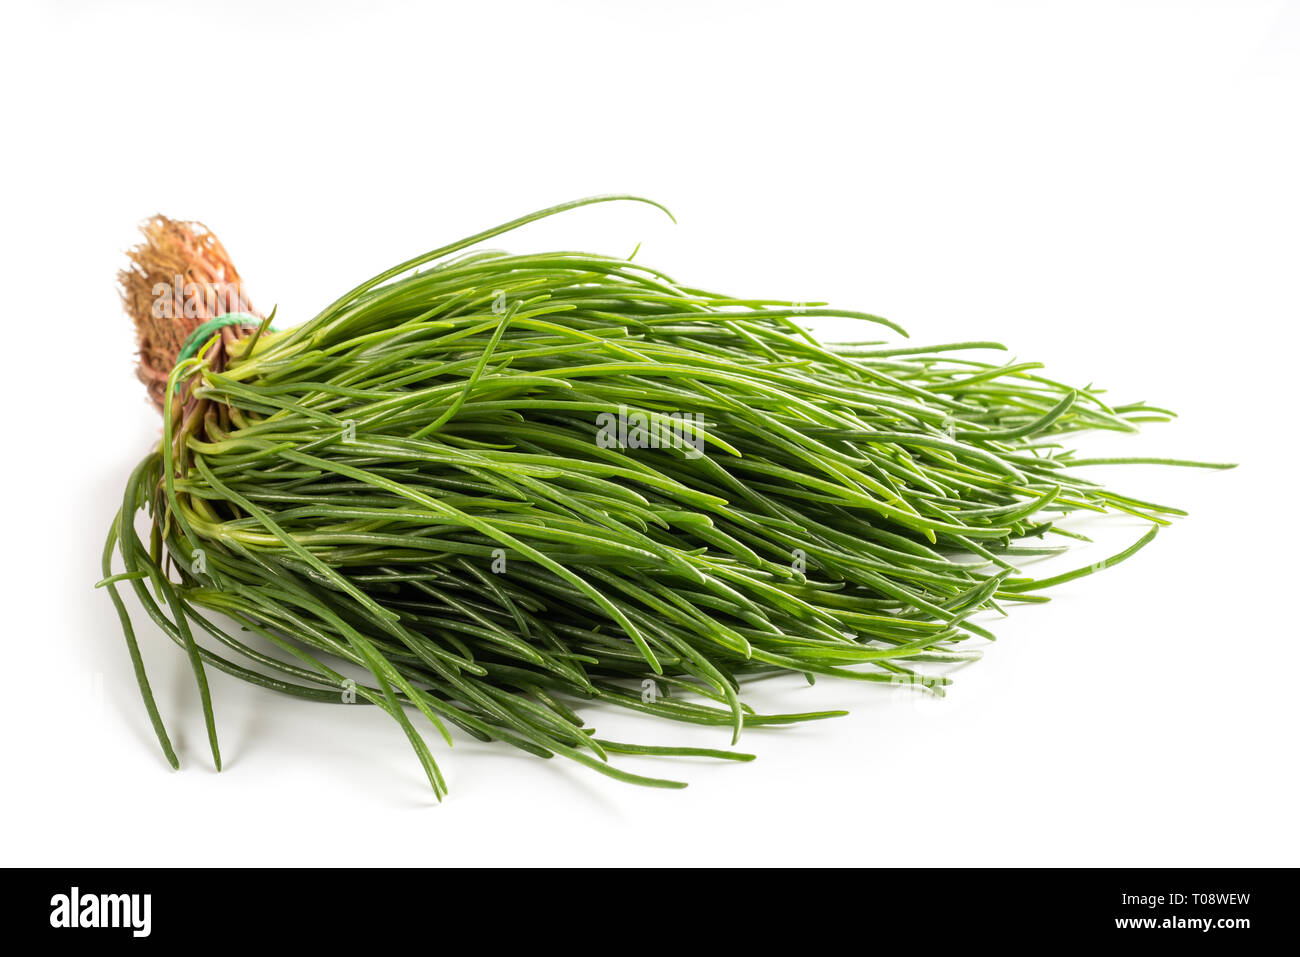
column 204, row 332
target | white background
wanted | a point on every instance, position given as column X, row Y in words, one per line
column 1108, row 187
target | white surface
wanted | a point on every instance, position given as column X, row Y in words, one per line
column 1110, row 188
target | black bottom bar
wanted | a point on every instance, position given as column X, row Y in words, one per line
column 577, row 909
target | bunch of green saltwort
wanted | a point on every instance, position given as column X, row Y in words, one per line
column 503, row 486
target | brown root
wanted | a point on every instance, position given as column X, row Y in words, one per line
column 178, row 278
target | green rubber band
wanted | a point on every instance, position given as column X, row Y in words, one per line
column 204, row 332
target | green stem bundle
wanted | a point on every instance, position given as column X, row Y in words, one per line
column 417, row 484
